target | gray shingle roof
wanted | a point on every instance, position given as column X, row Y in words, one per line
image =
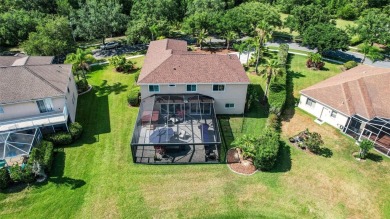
column 6, row 61
column 21, row 83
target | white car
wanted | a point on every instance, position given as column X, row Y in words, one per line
column 110, row 45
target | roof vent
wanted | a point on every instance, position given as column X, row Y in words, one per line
column 174, row 68
column 364, row 72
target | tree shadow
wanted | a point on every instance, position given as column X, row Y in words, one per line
column 105, row 89
column 283, row 162
column 57, row 174
column 93, row 114
column 325, row 152
column 297, row 74
column 374, row 157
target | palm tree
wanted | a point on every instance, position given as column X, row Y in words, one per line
column 80, row 61
column 263, row 34
column 271, row 69
column 201, row 37
column 231, row 35
column 240, row 48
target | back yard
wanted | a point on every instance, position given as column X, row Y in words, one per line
column 95, row 177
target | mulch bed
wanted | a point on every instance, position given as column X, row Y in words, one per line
column 233, row 161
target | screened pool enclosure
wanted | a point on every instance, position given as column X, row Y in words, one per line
column 179, row 128
column 13, row 145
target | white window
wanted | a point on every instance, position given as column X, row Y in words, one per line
column 154, row 88
column 333, row 114
column 229, row 105
column 45, row 105
column 1, row 110
column 172, row 85
column 191, row 87
column 310, row 102
column 218, row 87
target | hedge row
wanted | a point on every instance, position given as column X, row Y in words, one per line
column 277, row 92
column 133, row 97
column 65, row 138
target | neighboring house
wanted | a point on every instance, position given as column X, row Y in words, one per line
column 181, row 94
column 36, row 94
column 170, row 69
column 356, row 101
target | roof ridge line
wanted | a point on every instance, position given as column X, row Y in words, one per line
column 43, row 79
column 363, row 92
column 345, row 89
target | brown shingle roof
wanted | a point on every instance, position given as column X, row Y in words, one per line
column 6, row 61
column 363, row 90
column 20, row 83
column 167, row 61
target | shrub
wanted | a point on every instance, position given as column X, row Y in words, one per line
column 47, row 155
column 267, row 150
column 136, row 76
column 82, row 85
column 21, row 174
column 314, row 142
column 277, row 95
column 350, row 64
column 75, row 130
column 60, row 138
column 283, row 54
column 132, row 98
column 252, row 96
column 5, row 179
column 121, row 64
column 273, row 122
column 365, row 146
column 35, row 155
column 314, row 60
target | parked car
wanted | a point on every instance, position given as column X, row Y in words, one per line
column 110, row 45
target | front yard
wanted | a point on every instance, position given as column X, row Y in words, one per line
column 95, row 177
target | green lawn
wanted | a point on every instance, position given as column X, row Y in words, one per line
column 304, row 77
column 95, row 177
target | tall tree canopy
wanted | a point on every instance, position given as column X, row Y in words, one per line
column 149, row 18
column 197, row 6
column 246, row 17
column 54, row 37
column 325, row 37
column 373, row 27
column 303, row 17
column 15, row 25
column 98, row 19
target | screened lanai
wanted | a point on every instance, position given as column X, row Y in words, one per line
column 377, row 130
column 13, row 145
column 180, row 128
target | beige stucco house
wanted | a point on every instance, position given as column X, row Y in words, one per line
column 36, row 94
column 181, row 94
column 356, row 101
column 170, row 69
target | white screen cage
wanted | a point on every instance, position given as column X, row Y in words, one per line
column 18, row 143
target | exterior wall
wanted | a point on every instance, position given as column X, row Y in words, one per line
column 233, row 93
column 26, row 109
column 323, row 112
column 70, row 103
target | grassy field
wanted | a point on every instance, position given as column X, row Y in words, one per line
column 95, row 177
